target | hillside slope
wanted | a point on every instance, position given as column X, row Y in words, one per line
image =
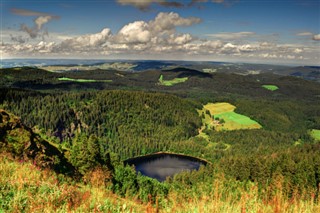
column 23, row 143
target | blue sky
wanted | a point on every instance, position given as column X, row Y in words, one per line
column 264, row 31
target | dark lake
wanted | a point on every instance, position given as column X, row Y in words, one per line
column 160, row 166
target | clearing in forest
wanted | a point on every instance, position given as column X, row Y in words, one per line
column 315, row 133
column 171, row 82
column 83, row 80
column 270, row 87
column 221, row 116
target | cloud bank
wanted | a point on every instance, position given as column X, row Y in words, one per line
column 159, row 38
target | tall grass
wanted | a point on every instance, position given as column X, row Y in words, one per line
column 229, row 196
column 26, row 188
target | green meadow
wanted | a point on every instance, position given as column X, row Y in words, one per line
column 270, row 87
column 315, row 133
column 223, row 117
column 83, row 80
column 171, row 82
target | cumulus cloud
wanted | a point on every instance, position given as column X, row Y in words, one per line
column 160, row 38
column 89, row 41
column 136, row 32
column 161, row 29
column 39, row 21
column 179, row 39
column 167, row 22
column 316, row 37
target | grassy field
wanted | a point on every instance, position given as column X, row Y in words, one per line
column 270, row 87
column 83, row 80
column 171, row 82
column 226, row 118
column 315, row 133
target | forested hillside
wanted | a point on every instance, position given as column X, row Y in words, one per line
column 129, row 123
column 93, row 130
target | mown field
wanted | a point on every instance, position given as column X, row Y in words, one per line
column 315, row 133
column 171, row 82
column 221, row 116
column 83, row 80
column 270, row 87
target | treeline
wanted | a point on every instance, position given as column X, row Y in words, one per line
column 298, row 167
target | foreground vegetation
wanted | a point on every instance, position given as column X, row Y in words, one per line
column 45, row 191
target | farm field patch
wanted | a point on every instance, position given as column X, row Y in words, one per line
column 315, row 133
column 83, row 80
column 270, row 87
column 171, row 82
column 221, row 116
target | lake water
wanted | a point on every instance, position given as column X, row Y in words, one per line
column 161, row 166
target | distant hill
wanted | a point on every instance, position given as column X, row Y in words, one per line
column 186, row 72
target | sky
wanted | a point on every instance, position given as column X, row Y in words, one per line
column 257, row 31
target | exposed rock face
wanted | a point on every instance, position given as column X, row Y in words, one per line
column 23, row 143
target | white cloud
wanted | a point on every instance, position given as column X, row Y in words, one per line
column 167, row 22
column 160, row 31
column 136, row 32
column 158, row 39
column 298, row 50
column 180, row 39
column 90, row 40
column 41, row 20
column 316, row 37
